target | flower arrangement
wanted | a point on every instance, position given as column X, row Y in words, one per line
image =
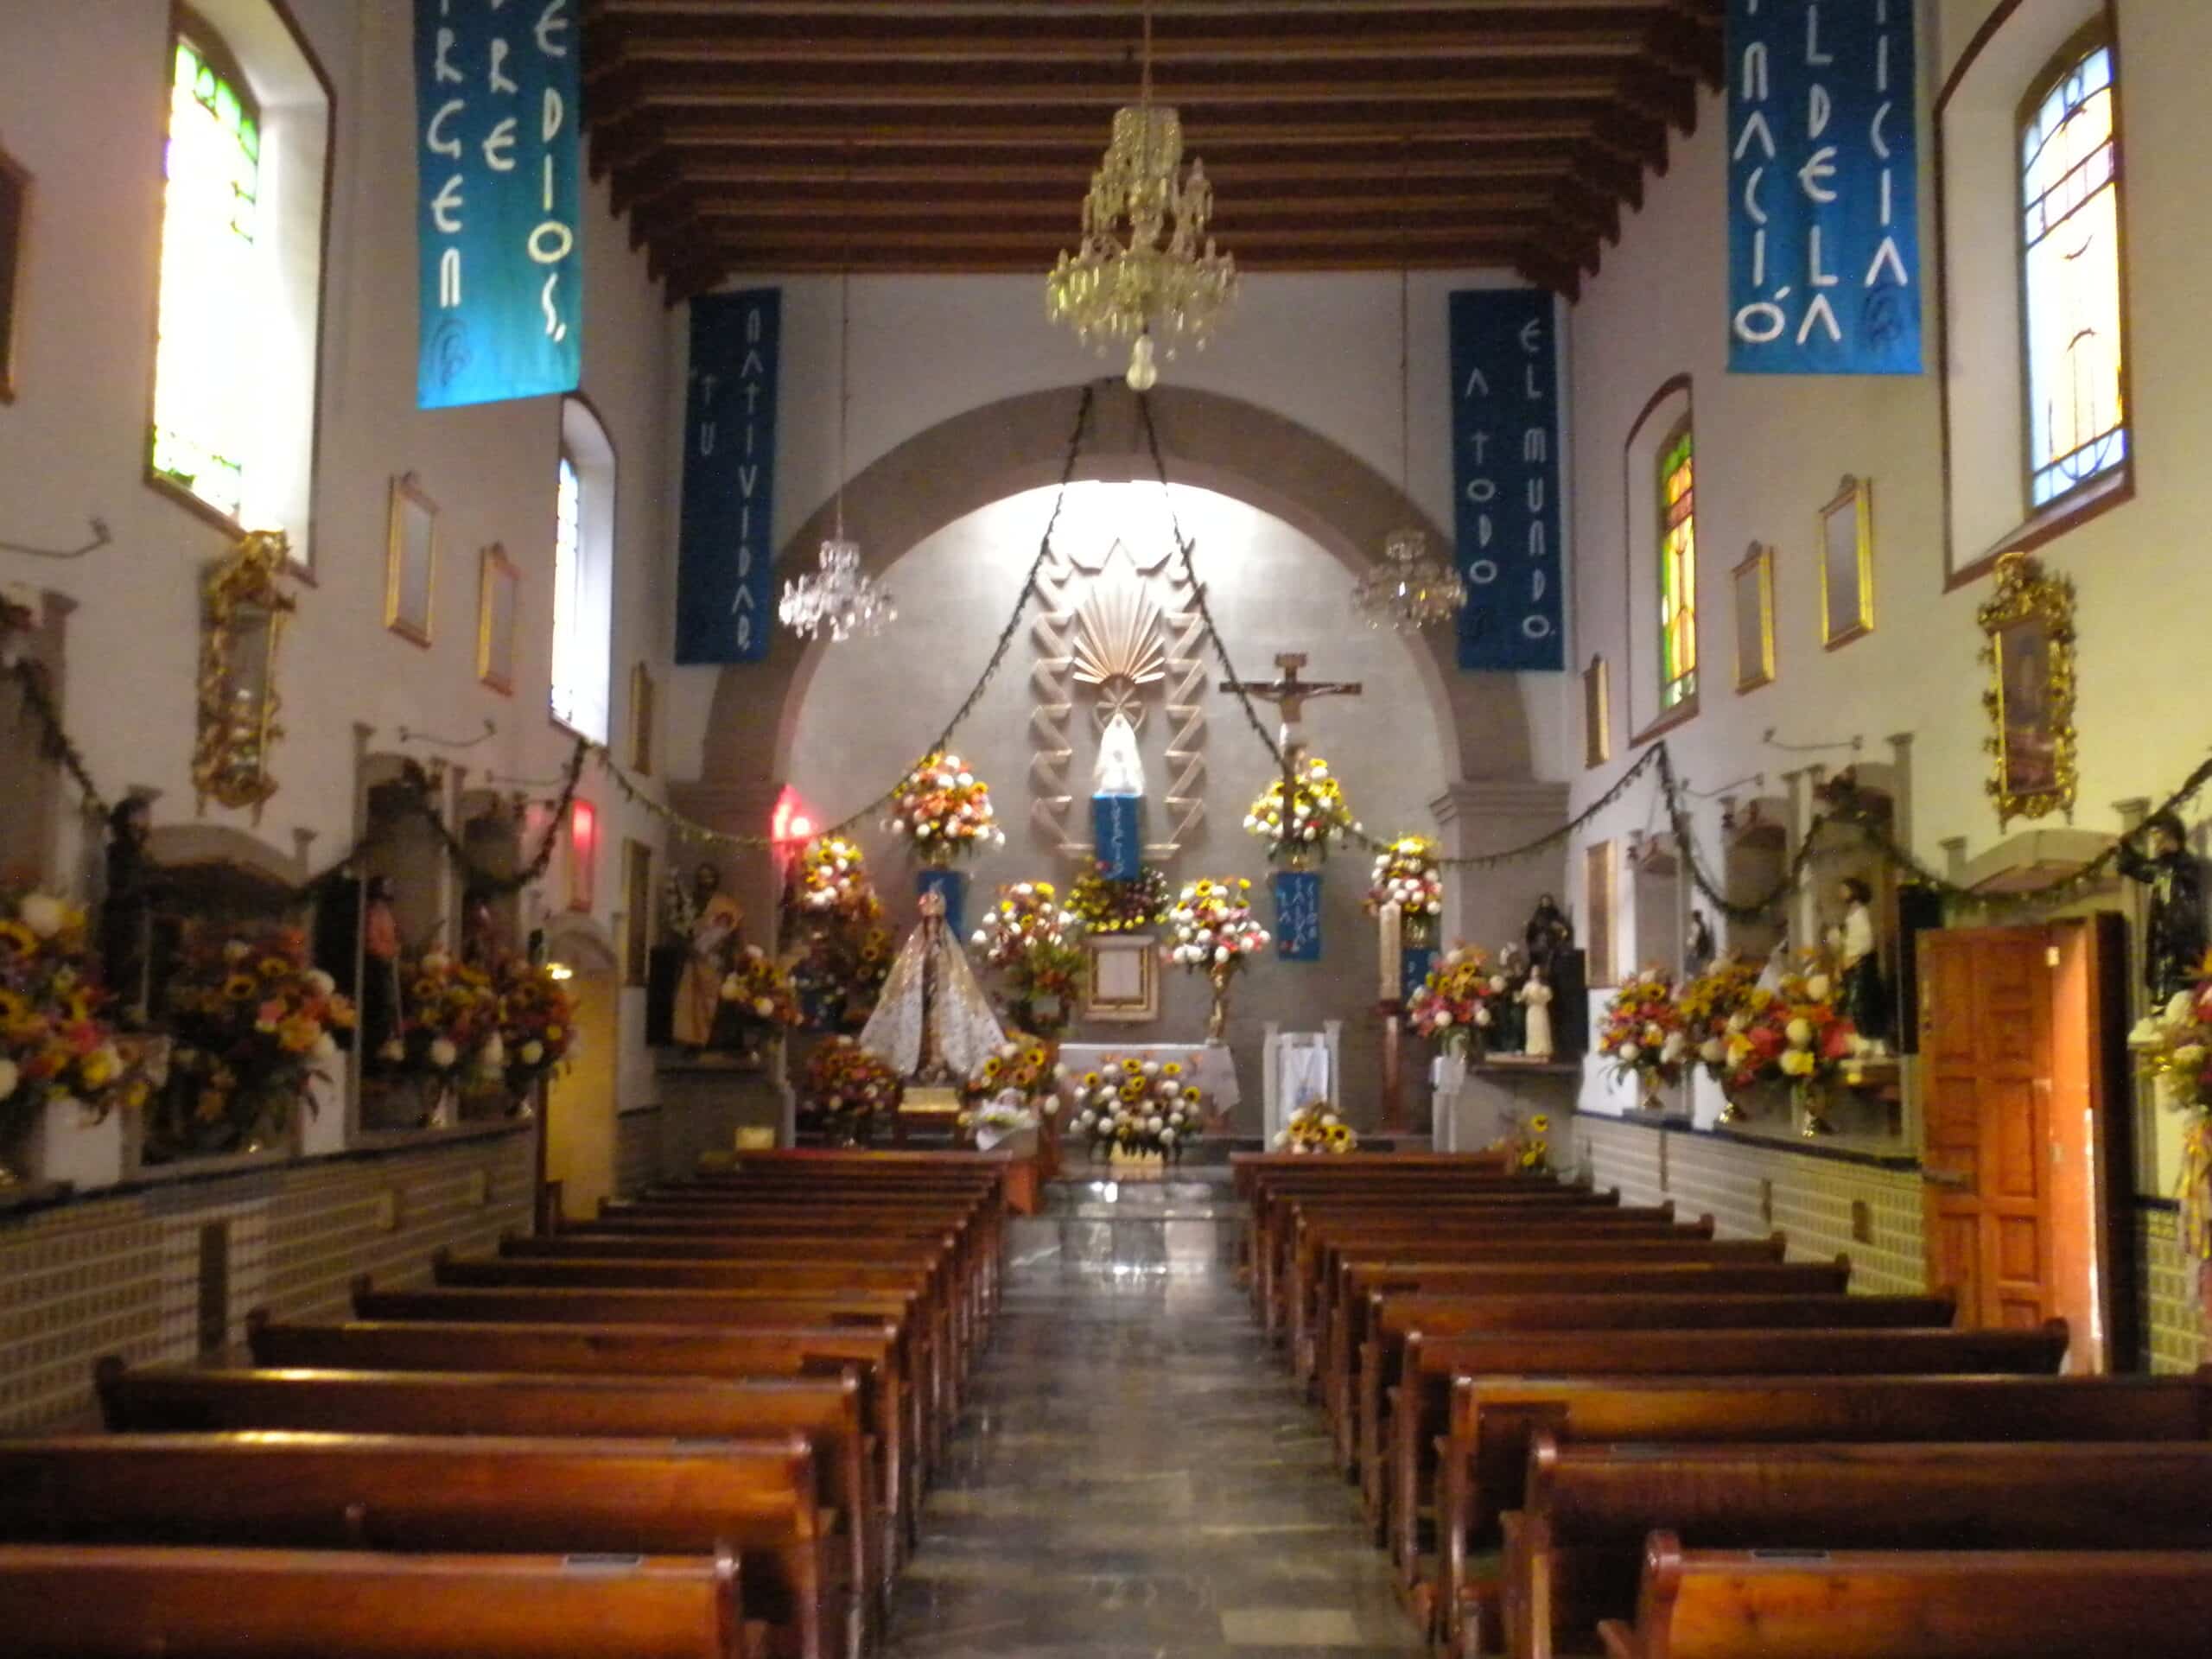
column 760, row 992
column 1719, row 1009
column 450, row 1015
column 1133, row 1105
column 538, row 1024
column 1314, row 1128
column 845, row 1086
column 944, row 808
column 1105, row 905
column 1013, row 1091
column 253, row 1022
column 54, row 1043
column 2173, row 1049
column 1531, row 1144
column 1457, row 1003
column 1642, row 1035
column 1318, row 814
column 1406, row 875
column 832, row 883
column 1027, row 936
column 1215, row 930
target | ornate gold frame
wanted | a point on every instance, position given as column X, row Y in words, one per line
column 2028, row 597
column 495, row 667
column 1138, row 1009
column 230, row 755
column 1758, row 565
column 407, row 491
column 642, row 694
column 1597, row 714
column 1855, row 496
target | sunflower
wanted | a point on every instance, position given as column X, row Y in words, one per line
column 1133, row 1068
column 1171, row 1069
column 1091, row 1079
column 238, row 987
column 993, row 1066
column 275, row 967
column 1193, row 1094
column 1133, row 1091
column 19, row 937
column 13, row 1009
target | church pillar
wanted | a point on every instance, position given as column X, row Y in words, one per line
column 1477, row 815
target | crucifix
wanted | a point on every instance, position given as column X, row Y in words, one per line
column 1289, row 694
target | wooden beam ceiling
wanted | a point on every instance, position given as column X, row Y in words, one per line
column 961, row 135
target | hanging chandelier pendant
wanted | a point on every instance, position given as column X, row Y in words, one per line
column 1411, row 587
column 838, row 600
column 1146, row 271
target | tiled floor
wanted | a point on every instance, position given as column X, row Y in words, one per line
column 1136, row 1480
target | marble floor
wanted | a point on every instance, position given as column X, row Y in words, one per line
column 1136, row 1480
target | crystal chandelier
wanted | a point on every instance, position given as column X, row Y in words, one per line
column 1412, row 587
column 838, row 600
column 1157, row 282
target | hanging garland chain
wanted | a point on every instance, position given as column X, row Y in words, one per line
column 421, row 797
column 53, row 743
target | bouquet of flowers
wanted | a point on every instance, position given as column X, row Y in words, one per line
column 1456, row 1003
column 253, row 1022
column 1134, row 1105
column 1719, row 1009
column 1014, row 1090
column 1644, row 1035
column 2173, row 1048
column 1104, row 904
column 845, row 1086
column 538, row 1024
column 450, row 1016
column 1030, row 939
column 1530, row 1144
column 1314, row 1128
column 1317, row 814
column 1406, row 876
column 54, row 1044
column 944, row 808
column 832, row 883
column 760, row 992
column 1215, row 930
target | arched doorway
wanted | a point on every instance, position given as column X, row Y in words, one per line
column 580, row 1103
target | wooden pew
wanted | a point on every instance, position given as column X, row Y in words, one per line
column 892, row 1414
column 1937, row 1604
column 1421, row 1408
column 88, row 1602
column 827, row 1410
column 1573, row 1552
column 754, row 1499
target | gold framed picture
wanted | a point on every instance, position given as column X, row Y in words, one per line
column 2028, row 626
column 1598, row 900
column 642, row 694
column 1847, row 546
column 497, row 585
column 1597, row 714
column 1121, row 977
column 1753, row 581
column 15, row 227
column 637, row 912
column 411, row 560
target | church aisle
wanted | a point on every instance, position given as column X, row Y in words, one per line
column 1134, row 1479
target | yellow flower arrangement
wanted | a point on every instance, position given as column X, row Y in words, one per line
column 1318, row 814
column 1133, row 1104
column 54, row 1045
column 1314, row 1128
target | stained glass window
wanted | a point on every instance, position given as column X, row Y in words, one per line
column 203, row 388
column 569, row 696
column 2069, row 189
column 1677, row 570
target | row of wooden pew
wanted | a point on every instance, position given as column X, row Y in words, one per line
column 699, row 1426
column 1583, row 1428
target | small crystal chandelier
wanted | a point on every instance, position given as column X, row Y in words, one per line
column 838, row 600
column 1142, row 287
column 1411, row 587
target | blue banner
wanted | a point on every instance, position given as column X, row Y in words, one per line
column 1116, row 837
column 1414, row 962
column 498, row 102
column 953, row 884
column 1298, row 914
column 1823, row 215
column 725, row 558
column 1505, row 478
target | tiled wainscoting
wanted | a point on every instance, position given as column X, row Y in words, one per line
column 2171, row 1324
column 124, row 1273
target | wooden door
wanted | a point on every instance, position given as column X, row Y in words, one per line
column 1985, row 1017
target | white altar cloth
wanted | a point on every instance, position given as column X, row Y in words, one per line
column 1209, row 1063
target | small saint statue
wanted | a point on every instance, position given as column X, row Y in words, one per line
column 711, row 938
column 127, row 909
column 1508, row 1032
column 932, row 1024
column 1702, row 949
column 1862, row 997
column 2174, row 932
column 1535, row 999
column 380, row 1001
column 1549, row 935
column 1119, row 768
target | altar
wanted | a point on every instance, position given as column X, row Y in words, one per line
column 1209, row 1066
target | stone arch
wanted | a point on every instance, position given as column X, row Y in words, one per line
column 1217, row 442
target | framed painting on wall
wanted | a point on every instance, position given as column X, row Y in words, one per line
column 1753, row 581
column 2029, row 627
column 1597, row 714
column 411, row 560
column 1597, row 890
column 642, row 691
column 497, row 584
column 1123, row 980
column 15, row 214
column 1848, row 563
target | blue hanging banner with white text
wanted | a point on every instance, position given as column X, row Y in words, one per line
column 1505, row 478
column 498, row 102
column 1823, row 214
column 725, row 573
column 1298, row 914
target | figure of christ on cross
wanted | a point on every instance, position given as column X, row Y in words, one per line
column 1290, row 694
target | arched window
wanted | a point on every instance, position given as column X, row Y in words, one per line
column 583, row 574
column 2070, row 272
column 1677, row 569
column 203, row 394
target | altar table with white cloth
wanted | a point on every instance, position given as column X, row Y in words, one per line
column 1208, row 1064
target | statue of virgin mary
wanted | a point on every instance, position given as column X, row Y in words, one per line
column 932, row 1023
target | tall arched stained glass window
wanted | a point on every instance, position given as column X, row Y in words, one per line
column 567, row 595
column 203, row 380
column 1677, row 569
column 2069, row 192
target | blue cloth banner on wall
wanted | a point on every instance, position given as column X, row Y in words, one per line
column 1414, row 962
column 1505, row 478
column 1116, row 838
column 725, row 555
column 1298, row 914
column 953, row 884
column 498, row 102
column 1823, row 215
